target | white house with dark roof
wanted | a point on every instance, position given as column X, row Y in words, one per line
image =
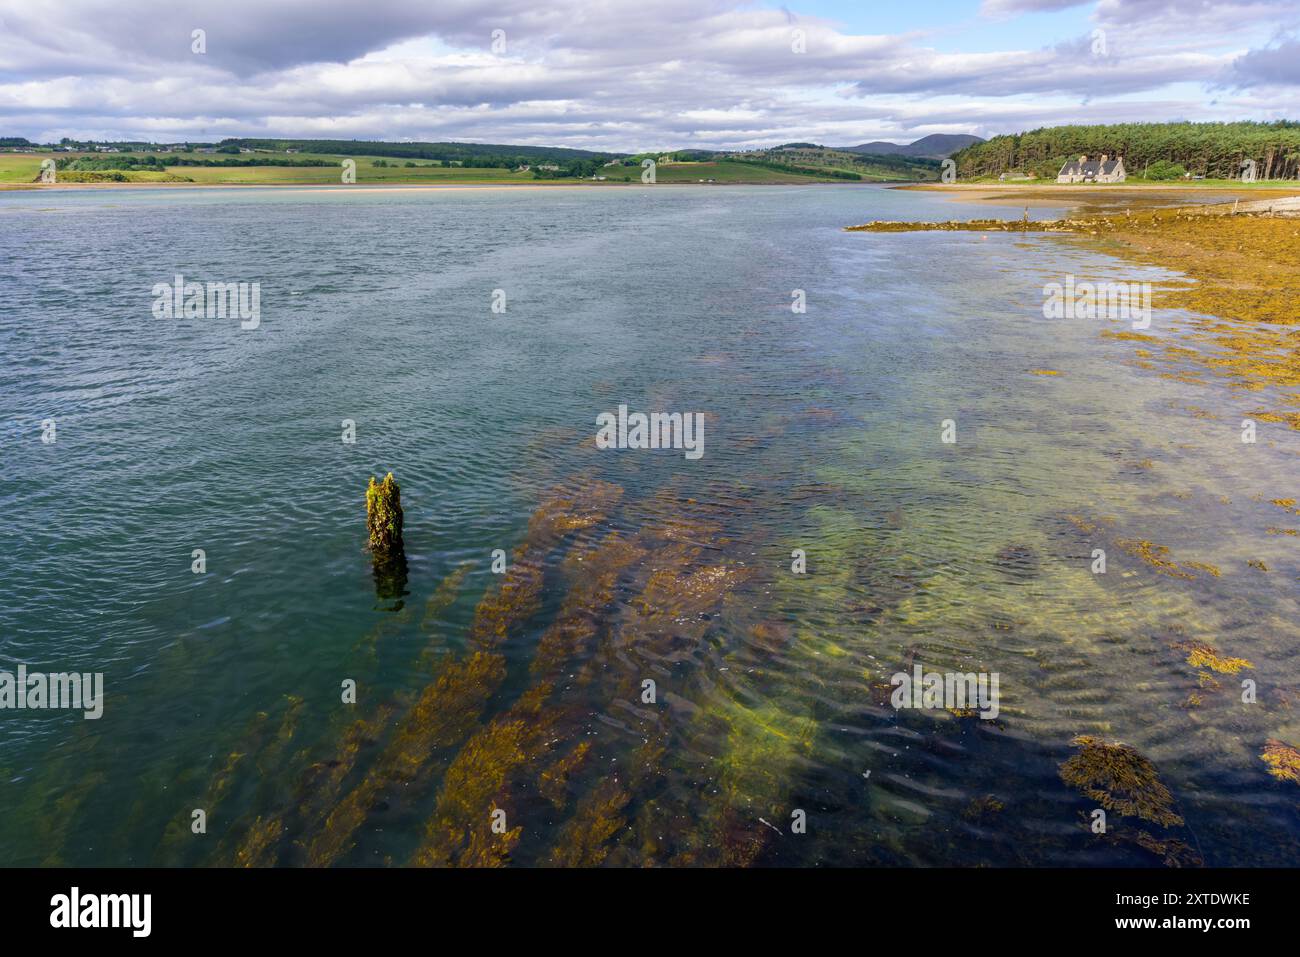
column 1105, row 169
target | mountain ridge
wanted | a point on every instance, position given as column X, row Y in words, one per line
column 934, row 146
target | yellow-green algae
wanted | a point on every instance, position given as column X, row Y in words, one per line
column 259, row 843
column 517, row 744
column 176, row 837
column 672, row 609
column 442, row 714
column 1171, row 851
column 1153, row 555
column 384, row 525
column 1282, row 759
column 384, row 516
column 1203, row 656
column 553, row 784
column 475, row 785
column 594, row 576
column 585, row 838
column 671, row 582
column 449, row 708
column 1120, row 779
column 1244, row 269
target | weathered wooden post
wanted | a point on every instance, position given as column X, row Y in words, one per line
column 384, row 526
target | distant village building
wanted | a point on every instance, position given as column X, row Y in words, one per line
column 1084, row 170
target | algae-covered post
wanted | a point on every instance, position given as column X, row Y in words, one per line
column 384, row 525
column 384, row 515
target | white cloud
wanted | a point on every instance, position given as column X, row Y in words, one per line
column 611, row 74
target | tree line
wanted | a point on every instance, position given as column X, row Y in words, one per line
column 1212, row 150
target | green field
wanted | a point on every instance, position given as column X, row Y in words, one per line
column 20, row 167
column 730, row 171
column 721, row 171
column 367, row 172
column 24, row 168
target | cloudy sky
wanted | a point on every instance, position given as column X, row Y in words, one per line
column 631, row 75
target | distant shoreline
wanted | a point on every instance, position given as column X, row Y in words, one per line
column 391, row 187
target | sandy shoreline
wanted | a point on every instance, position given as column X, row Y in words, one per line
column 1116, row 195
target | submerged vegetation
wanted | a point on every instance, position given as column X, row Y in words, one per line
column 1203, row 656
column 1120, row 779
column 480, row 760
column 476, row 757
column 528, row 736
column 1242, row 268
column 1283, row 760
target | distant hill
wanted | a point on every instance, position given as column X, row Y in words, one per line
column 935, row 146
column 825, row 163
column 1213, row 150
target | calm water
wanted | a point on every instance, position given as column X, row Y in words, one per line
column 523, row 692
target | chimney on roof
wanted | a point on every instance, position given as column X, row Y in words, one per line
column 1104, row 157
column 1083, row 158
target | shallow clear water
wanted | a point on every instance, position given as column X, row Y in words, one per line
column 822, row 433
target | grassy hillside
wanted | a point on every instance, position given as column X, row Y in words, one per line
column 720, row 171
column 868, row 166
column 1212, row 150
column 468, row 154
column 796, row 163
column 325, row 169
column 841, row 165
column 367, row 172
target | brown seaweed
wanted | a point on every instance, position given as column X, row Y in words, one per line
column 1120, row 779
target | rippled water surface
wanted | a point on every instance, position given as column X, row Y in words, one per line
column 524, row 692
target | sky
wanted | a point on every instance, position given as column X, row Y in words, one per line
column 634, row 75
